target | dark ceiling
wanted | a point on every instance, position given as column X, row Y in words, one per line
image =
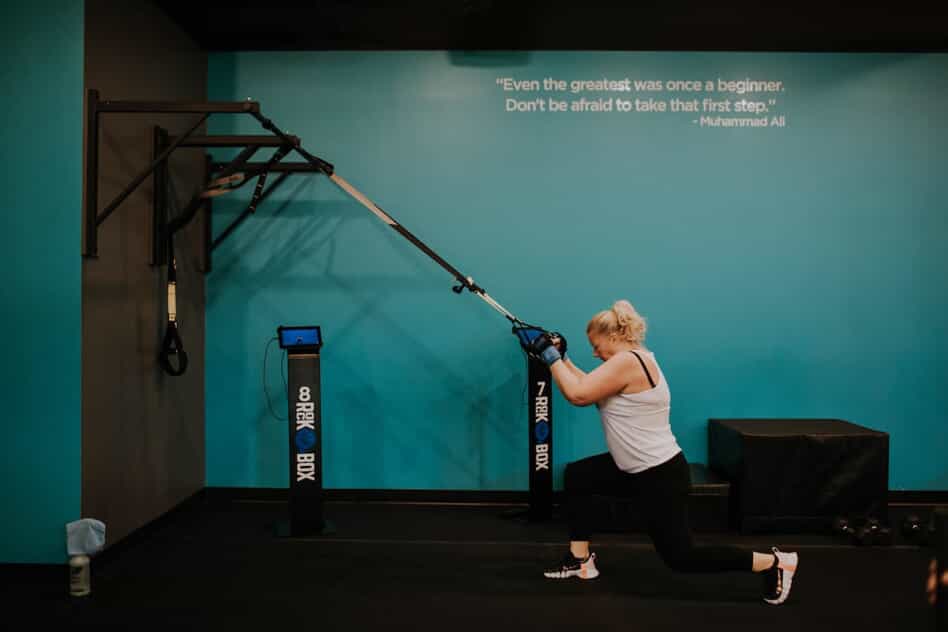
column 686, row 25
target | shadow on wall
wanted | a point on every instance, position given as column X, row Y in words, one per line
column 490, row 416
column 486, row 413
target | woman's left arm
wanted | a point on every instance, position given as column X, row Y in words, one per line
column 607, row 379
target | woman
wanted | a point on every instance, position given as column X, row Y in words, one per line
column 644, row 461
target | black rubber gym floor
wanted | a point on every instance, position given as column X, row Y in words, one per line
column 445, row 567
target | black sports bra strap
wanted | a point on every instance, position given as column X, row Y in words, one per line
column 644, row 368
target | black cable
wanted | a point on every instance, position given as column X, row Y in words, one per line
column 266, row 352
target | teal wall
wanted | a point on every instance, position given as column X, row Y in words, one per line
column 794, row 271
column 41, row 44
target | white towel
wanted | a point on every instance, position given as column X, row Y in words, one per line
column 85, row 536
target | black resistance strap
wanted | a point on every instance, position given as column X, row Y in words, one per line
column 227, row 181
column 329, row 170
column 172, row 345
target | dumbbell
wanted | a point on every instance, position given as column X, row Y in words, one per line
column 873, row 533
column 842, row 529
column 914, row 531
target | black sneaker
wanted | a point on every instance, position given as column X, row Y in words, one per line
column 779, row 578
column 574, row 567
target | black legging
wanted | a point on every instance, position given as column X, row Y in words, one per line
column 662, row 496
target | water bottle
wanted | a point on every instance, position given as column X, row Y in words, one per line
column 79, row 581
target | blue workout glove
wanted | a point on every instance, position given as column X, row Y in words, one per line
column 542, row 347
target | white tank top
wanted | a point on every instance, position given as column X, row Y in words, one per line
column 637, row 427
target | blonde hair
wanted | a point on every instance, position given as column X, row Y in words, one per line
column 621, row 320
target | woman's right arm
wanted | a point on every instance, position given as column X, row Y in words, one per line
column 582, row 389
column 575, row 370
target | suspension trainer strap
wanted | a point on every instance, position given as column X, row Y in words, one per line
column 278, row 155
column 327, row 168
column 463, row 281
column 172, row 345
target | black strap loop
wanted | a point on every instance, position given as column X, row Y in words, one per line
column 172, row 346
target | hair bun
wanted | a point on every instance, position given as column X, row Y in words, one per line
column 630, row 323
column 621, row 319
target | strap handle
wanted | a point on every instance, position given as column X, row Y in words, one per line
column 171, row 345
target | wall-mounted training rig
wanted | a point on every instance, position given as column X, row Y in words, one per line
column 231, row 176
column 221, row 178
